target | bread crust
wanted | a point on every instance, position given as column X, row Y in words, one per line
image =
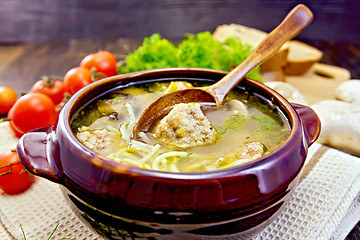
column 294, row 58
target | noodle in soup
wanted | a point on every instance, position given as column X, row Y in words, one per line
column 193, row 137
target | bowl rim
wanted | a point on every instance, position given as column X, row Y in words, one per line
column 118, row 167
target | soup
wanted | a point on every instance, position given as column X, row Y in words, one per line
column 192, row 137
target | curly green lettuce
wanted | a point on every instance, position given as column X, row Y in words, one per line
column 198, row 51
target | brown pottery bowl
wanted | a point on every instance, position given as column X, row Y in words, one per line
column 121, row 201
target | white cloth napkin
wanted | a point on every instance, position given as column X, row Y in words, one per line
column 324, row 205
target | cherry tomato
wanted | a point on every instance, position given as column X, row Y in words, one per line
column 14, row 178
column 59, row 107
column 77, row 78
column 7, row 99
column 32, row 111
column 53, row 88
column 103, row 61
column 17, row 133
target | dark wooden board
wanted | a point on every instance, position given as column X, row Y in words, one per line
column 49, row 20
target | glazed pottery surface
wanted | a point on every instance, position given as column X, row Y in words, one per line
column 119, row 200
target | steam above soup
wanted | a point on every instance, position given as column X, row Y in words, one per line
column 192, row 137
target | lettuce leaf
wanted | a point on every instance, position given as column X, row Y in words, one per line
column 198, row 51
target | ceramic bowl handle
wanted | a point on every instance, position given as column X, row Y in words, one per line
column 310, row 121
column 38, row 151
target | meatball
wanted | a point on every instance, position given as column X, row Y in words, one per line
column 185, row 126
column 253, row 151
column 96, row 140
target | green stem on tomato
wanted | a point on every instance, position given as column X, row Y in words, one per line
column 6, row 173
column 5, row 120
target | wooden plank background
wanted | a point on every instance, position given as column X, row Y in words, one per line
column 55, row 20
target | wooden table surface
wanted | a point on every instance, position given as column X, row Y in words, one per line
column 21, row 65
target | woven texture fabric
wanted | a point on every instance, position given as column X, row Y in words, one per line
column 324, row 205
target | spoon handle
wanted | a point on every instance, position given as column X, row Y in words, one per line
column 297, row 19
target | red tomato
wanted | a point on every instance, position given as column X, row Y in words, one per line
column 17, row 133
column 59, row 107
column 54, row 89
column 32, row 111
column 14, row 178
column 7, row 99
column 103, row 61
column 77, row 78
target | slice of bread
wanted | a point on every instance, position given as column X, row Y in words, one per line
column 248, row 35
column 301, row 58
column 252, row 37
column 294, row 58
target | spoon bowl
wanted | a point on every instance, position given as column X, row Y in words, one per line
column 297, row 19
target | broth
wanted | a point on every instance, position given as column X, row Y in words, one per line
column 244, row 128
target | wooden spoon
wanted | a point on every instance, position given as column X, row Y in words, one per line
column 298, row 19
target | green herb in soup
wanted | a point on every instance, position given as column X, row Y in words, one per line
column 192, row 137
